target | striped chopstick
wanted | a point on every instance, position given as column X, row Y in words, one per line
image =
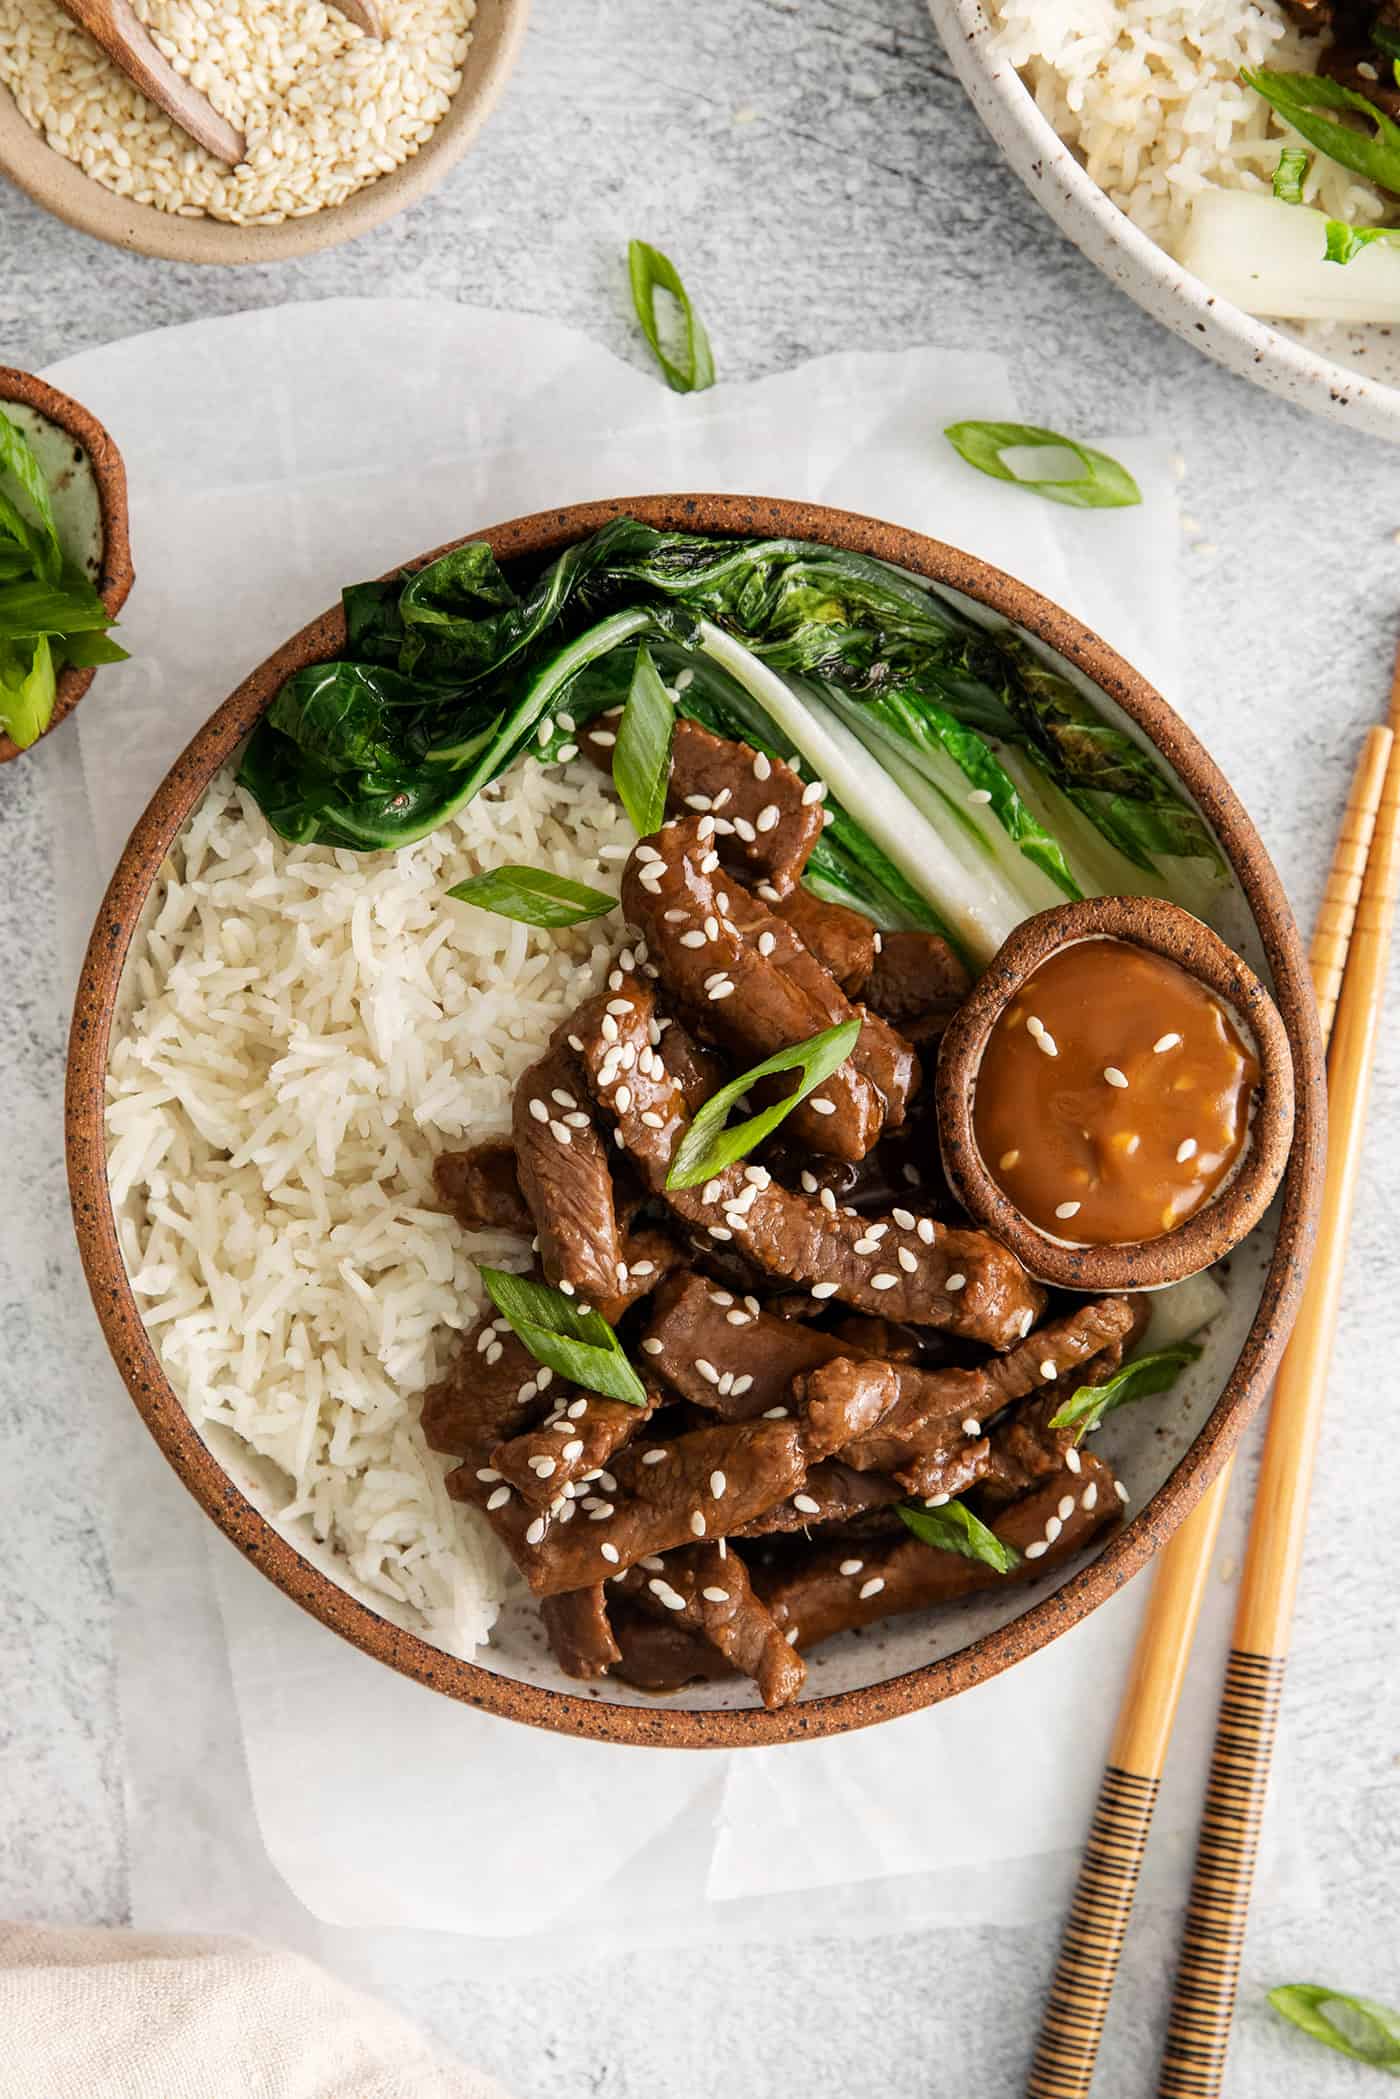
column 1077, row 2005
column 1203, row 2002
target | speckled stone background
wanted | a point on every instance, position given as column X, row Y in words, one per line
column 815, row 170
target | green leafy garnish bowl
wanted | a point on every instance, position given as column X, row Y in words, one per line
column 902, row 1664
column 84, row 470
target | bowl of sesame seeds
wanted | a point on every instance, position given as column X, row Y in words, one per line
column 342, row 130
column 312, row 1434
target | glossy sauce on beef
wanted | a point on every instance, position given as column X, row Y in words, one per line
column 1113, row 1095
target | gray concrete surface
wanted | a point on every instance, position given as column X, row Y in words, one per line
column 817, row 173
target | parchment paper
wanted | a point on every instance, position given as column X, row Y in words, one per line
column 273, row 457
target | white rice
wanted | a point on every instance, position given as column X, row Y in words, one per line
column 1148, row 94
column 310, row 1028
column 323, row 108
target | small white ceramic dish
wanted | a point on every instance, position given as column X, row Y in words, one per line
column 1351, row 373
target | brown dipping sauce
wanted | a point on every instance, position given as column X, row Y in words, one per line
column 1116, row 1082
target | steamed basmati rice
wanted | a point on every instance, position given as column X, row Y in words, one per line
column 310, row 1027
column 1148, row 94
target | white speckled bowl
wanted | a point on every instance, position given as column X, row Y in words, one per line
column 1363, row 391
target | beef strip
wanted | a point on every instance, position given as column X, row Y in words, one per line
column 492, row 1388
column 732, row 991
column 915, row 974
column 659, row 1656
column 571, row 1447
column 705, row 1589
column 580, row 1637
column 939, row 1413
column 904, row 1422
column 481, row 1188
column 831, row 1588
column 749, row 1357
column 899, row 1267
column 753, row 1463
column 832, row 1493
column 841, row 940
column 764, row 828
column 563, row 1169
column 1026, row 1450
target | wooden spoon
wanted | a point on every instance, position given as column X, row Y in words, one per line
column 113, row 25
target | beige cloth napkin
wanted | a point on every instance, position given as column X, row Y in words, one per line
column 132, row 2015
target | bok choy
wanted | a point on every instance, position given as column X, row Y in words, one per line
column 968, row 783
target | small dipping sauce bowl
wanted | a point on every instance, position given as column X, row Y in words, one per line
column 1115, row 1097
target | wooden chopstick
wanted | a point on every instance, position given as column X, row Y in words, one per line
column 1203, row 2002
column 1077, row 2005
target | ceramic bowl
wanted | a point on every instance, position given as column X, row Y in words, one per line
column 1167, row 1458
column 62, row 187
column 1218, row 1227
column 81, row 462
column 1360, row 388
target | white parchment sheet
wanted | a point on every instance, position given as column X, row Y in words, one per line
column 274, row 457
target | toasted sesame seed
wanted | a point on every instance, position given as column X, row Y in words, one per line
column 499, row 1499
column 850, row 1567
column 543, row 1468
column 692, row 939
column 809, row 1181
column 762, row 766
column 1008, row 1160
column 601, row 1511
column 722, row 990
column 707, row 1370
column 544, row 1375
column 652, row 1564
column 828, row 1201
column 709, row 863
column 1067, row 1209
column 867, row 1245
column 697, row 1523
column 652, row 1120
column 674, row 917
column 872, row 1587
column 907, row 1261
column 1045, row 1041
column 806, row 1505
column 767, row 818
column 535, row 1532
column 700, row 803
column 925, row 1230
column 668, row 1596
column 813, row 792
column 883, row 1282
column 654, row 1457
column 823, row 1290
column 605, row 737
column 742, row 1385
column 878, row 1231
column 1073, row 1461
column 494, row 1353
column 1166, row 1042
column 953, row 1283
column 610, row 1553
column 1035, row 1551
column 487, row 1474
column 1089, row 1498
column 776, row 1414
column 644, row 1268
column 937, row 1501
column 1185, row 1150
column 767, row 942
column 539, row 1111
column 719, row 1231
column 715, row 1595
column 1114, row 1076
column 1121, row 1491
column 822, row 1105
column 904, row 1219
column 726, row 1381
column 737, row 1318
column 1048, row 1370
column 571, row 1451
column 651, row 1346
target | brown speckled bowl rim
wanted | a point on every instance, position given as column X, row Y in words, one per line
column 116, row 575
column 666, row 1725
column 1163, row 929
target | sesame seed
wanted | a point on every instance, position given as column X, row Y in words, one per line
column 647, row 852
column 822, row 1105
column 707, row 1370
column 1089, row 1498
column 610, row 1553
column 674, row 917
column 1185, row 1150
column 1114, row 1076
column 719, row 1231
column 736, row 1318
column 883, row 1282
column 499, row 1499
column 1027, row 1322
column 723, row 990
column 745, row 830
column 539, row 1111
column 872, row 1587
column 954, row 1283
column 1048, row 1370
column 907, row 1261
column 972, row 1426
column 601, row 1512
column 776, row 1414
column 700, row 803
column 762, row 766
column 791, row 1635
column 543, row 1468
column 806, row 1505
column 715, row 1595
column 1067, row 1209
column 712, row 927
column 1008, row 1160
column 849, row 1567
column 827, row 1289
column 604, row 737
column 828, row 1201
column 1166, row 1042
column 1121, row 1491
column 704, row 830
column 718, row 1483
column 652, row 1564
column 494, row 1353
column 1053, row 1528
column 561, row 1133
column 709, row 863
column 566, row 753
column 1066, row 1508
column 487, row 1474
column 668, row 1596
column 937, row 1501
column 904, row 1219
column 535, row 1532
column 1073, row 1461
column 577, row 1120
column 1034, row 1552
column 572, row 1450
column 767, row 942
column 652, row 1120
column 1045, row 1041
column 878, row 1231
column 741, row 1386
column 768, row 817
column 726, row 1381
column 697, row 1523
column 544, row 1375
column 813, row 792
column 980, row 794
column 622, row 1099
column 692, row 939
column 608, row 1028
column 654, row 1457
column 925, row 1230
column 564, row 1100
column 867, row 1245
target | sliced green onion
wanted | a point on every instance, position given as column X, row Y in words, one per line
column 17, row 459
column 1145, row 1375
column 1297, row 97
column 577, row 1343
column 533, row 896
column 642, row 753
column 1290, row 174
column 1371, row 2033
column 1101, row 485
column 708, row 1147
column 1344, row 242
column 954, row 1528
column 650, row 272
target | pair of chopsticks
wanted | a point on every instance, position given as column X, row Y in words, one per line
column 1347, row 959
